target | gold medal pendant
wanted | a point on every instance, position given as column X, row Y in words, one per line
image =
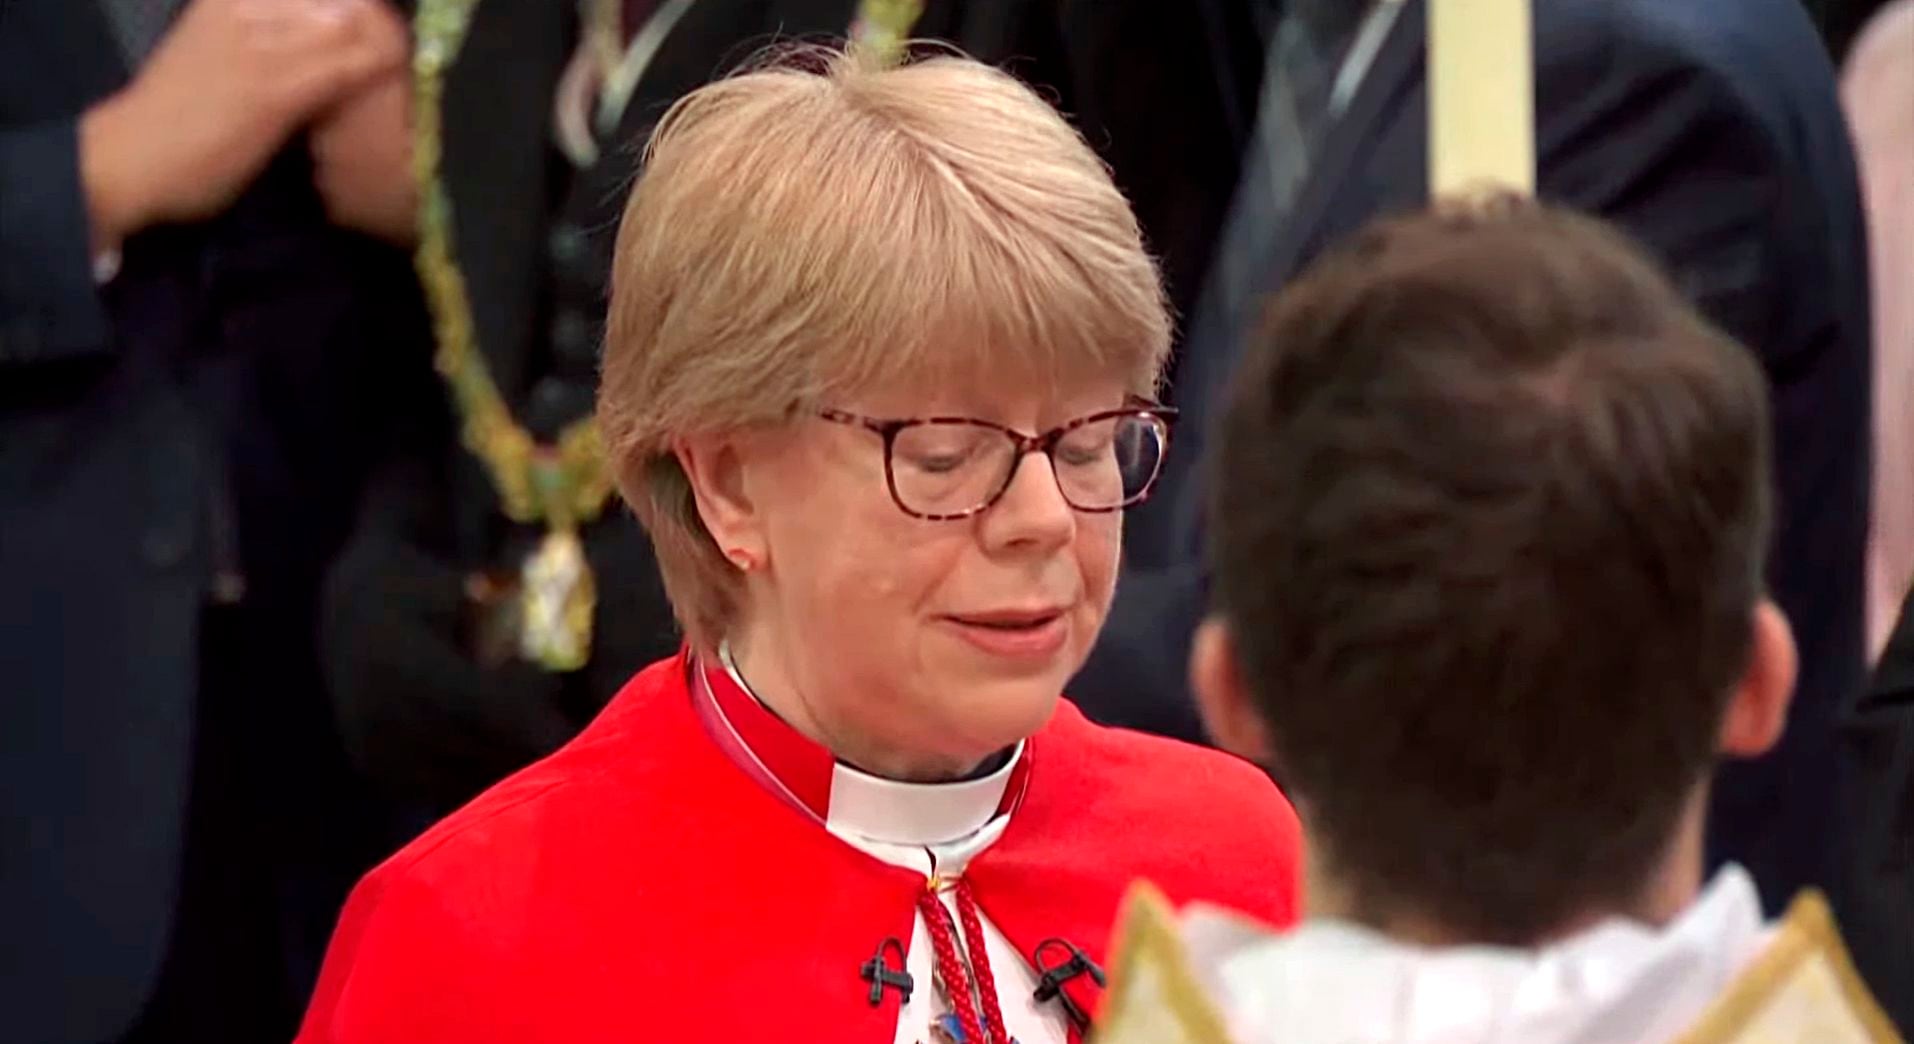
column 557, row 596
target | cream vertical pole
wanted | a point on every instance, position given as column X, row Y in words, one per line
column 1481, row 96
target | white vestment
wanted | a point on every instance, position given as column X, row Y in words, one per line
column 1717, row 974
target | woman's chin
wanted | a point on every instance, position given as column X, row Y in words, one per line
column 999, row 714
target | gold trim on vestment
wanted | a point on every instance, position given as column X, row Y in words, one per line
column 1807, row 932
column 1148, row 946
column 1156, row 996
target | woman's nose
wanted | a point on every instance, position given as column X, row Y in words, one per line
column 1032, row 509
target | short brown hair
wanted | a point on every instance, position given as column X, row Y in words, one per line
column 823, row 224
column 1490, row 514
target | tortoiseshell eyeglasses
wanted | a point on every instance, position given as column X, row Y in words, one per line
column 944, row 468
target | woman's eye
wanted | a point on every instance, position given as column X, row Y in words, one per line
column 1085, row 448
column 940, row 449
column 938, row 465
column 1082, row 456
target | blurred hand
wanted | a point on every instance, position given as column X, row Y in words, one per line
column 362, row 161
column 223, row 91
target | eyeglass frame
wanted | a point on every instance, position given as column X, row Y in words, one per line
column 1044, row 442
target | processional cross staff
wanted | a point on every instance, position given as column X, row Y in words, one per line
column 1481, row 61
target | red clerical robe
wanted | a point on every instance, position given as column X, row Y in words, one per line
column 660, row 879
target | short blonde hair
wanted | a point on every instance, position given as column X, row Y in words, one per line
column 820, row 224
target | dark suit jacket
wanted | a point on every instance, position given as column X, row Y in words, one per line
column 1874, row 889
column 1165, row 93
column 214, row 402
column 1710, row 130
column 1841, row 22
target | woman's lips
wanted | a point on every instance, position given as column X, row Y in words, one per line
column 1021, row 635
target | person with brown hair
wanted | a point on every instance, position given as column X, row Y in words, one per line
column 876, row 383
column 1491, row 507
column 1711, row 133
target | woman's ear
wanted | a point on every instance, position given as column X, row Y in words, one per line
column 716, row 469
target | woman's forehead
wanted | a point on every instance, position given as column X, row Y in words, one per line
column 997, row 395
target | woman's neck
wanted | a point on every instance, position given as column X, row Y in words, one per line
column 764, row 669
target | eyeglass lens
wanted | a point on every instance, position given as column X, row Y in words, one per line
column 954, row 467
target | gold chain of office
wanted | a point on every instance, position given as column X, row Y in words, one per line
column 565, row 483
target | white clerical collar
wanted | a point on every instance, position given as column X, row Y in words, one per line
column 846, row 800
column 916, row 813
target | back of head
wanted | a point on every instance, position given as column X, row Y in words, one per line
column 1490, row 517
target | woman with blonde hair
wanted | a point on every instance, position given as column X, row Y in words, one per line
column 877, row 383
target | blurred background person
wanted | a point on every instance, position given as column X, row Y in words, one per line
column 1708, row 129
column 1166, row 94
column 1877, row 91
column 1875, row 893
column 195, row 366
column 1841, row 22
